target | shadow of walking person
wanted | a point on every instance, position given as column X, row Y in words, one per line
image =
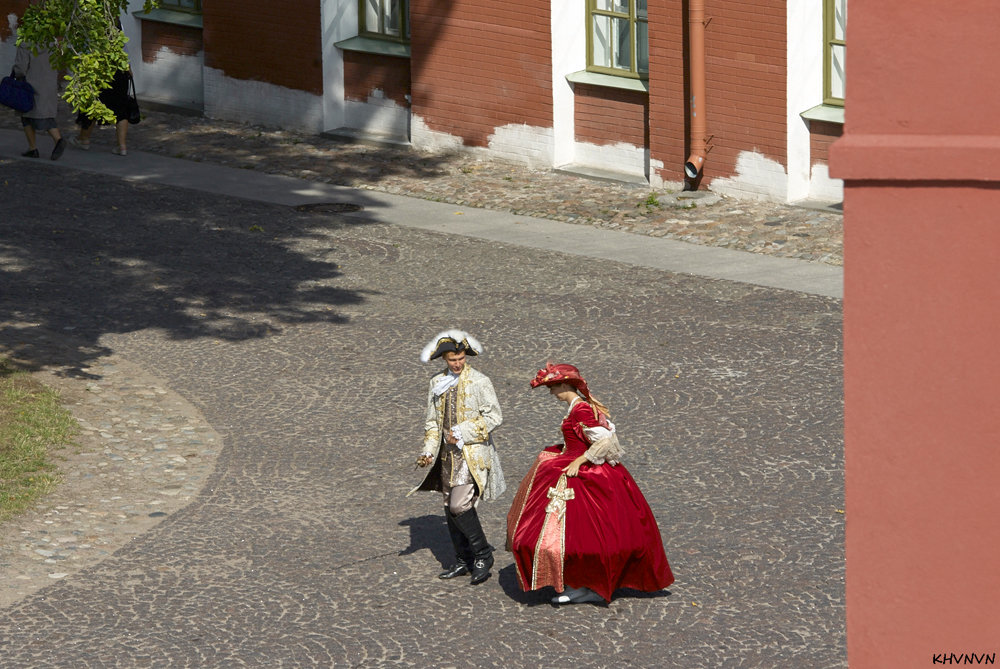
column 507, row 577
column 429, row 532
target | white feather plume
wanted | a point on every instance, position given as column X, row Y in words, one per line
column 457, row 335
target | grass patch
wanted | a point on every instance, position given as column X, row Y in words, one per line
column 32, row 425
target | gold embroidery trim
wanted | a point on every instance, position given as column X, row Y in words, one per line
column 558, row 496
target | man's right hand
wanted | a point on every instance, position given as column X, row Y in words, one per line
column 425, row 460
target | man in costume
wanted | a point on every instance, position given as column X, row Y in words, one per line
column 462, row 411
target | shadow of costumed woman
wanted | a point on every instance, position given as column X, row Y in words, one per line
column 579, row 522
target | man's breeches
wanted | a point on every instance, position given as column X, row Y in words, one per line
column 457, row 484
column 460, row 498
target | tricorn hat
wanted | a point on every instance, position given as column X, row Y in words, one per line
column 457, row 341
column 555, row 374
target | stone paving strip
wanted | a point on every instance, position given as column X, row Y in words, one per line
column 460, row 178
column 142, row 453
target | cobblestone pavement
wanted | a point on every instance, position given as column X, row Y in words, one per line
column 760, row 227
column 143, row 453
column 275, row 352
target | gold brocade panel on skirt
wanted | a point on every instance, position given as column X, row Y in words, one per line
column 550, row 551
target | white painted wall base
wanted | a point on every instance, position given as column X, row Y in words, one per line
column 756, row 178
column 657, row 182
column 261, row 103
column 172, row 79
column 619, row 157
column 378, row 116
column 425, row 139
column 524, row 144
column 823, row 187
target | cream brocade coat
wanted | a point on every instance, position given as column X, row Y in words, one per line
column 478, row 414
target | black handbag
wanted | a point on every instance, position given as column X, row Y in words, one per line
column 17, row 93
column 134, row 115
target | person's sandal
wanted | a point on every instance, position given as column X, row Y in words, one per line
column 30, row 153
column 79, row 144
column 119, row 151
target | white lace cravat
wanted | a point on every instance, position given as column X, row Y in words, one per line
column 445, row 383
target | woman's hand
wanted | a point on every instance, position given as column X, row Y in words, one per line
column 573, row 468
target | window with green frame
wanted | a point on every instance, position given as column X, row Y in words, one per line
column 181, row 5
column 834, row 51
column 385, row 19
column 618, row 38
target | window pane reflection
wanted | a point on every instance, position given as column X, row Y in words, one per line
column 840, row 19
column 602, row 41
column 392, row 18
column 837, row 75
column 372, row 16
column 642, row 46
column 623, row 47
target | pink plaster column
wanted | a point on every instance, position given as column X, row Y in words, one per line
column 920, row 157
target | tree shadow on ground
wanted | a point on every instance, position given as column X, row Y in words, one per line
column 82, row 256
column 271, row 149
column 339, row 162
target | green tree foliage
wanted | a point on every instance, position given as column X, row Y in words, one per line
column 85, row 41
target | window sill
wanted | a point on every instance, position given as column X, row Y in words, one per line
column 608, row 81
column 825, row 113
column 377, row 46
column 169, row 16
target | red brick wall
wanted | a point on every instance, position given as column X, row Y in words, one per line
column 745, row 65
column 480, row 64
column 821, row 136
column 8, row 7
column 610, row 115
column 264, row 40
column 745, row 61
column 182, row 40
column 365, row 72
column 667, row 87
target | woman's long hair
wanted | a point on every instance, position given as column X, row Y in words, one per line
column 595, row 404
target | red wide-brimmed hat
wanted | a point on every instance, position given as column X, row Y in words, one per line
column 553, row 374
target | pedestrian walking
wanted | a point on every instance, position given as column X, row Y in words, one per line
column 37, row 71
column 116, row 98
column 579, row 522
column 462, row 412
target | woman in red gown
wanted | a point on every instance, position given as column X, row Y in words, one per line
column 579, row 522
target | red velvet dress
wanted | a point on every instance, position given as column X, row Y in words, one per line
column 594, row 530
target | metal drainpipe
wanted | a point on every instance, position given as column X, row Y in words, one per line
column 696, row 60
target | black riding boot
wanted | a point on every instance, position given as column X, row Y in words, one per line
column 482, row 552
column 463, row 553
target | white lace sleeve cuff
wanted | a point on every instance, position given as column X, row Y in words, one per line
column 604, row 446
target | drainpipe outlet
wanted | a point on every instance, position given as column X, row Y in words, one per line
column 693, row 165
column 698, row 129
